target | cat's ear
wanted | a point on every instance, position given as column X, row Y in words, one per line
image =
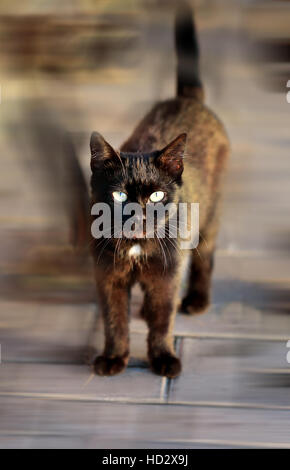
column 170, row 158
column 102, row 153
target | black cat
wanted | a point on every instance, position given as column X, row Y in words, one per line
column 177, row 153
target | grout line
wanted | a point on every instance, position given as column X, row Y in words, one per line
column 177, row 347
column 209, row 442
column 82, row 398
column 251, row 337
column 168, row 388
column 163, row 389
column 226, row 442
column 208, row 335
column 166, row 382
column 231, row 405
column 142, row 401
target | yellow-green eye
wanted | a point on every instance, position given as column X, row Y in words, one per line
column 157, row 196
column 119, row 196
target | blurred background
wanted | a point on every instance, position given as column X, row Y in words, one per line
column 68, row 68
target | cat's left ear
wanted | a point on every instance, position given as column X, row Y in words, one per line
column 102, row 153
column 170, row 158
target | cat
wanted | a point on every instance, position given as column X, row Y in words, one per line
column 178, row 153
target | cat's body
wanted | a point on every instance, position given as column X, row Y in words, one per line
column 205, row 153
column 180, row 148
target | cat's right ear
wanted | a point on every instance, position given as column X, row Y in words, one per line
column 102, row 153
column 170, row 158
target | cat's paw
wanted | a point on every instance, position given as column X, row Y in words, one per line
column 166, row 364
column 110, row 365
column 198, row 302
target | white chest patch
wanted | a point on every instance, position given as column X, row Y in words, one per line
column 135, row 251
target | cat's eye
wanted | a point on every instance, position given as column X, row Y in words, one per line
column 157, row 196
column 119, row 196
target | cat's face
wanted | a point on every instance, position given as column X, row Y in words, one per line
column 123, row 178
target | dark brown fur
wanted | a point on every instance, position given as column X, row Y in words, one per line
column 205, row 157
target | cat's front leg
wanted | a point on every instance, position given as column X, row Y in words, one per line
column 159, row 312
column 113, row 296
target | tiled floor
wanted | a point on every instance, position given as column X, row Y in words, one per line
column 234, row 388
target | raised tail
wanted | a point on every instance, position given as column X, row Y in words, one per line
column 188, row 80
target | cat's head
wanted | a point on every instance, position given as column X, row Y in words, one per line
column 143, row 178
